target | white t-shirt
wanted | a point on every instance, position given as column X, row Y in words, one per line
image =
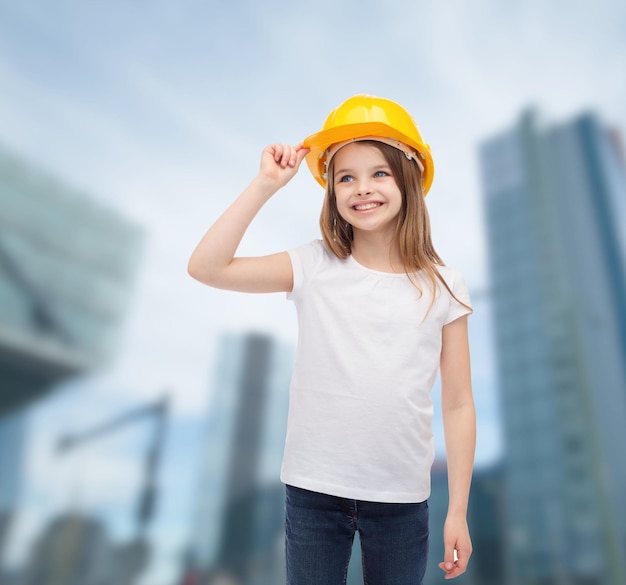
column 360, row 410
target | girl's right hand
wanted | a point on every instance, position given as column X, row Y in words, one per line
column 280, row 163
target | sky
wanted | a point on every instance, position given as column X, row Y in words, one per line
column 161, row 109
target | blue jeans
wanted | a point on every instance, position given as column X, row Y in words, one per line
column 320, row 530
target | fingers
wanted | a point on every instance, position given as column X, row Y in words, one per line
column 454, row 571
column 282, row 154
column 301, row 152
column 286, row 155
column 280, row 163
column 448, row 558
column 454, row 564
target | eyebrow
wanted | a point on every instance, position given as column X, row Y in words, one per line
column 384, row 167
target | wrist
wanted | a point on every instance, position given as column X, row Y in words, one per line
column 264, row 185
column 266, row 182
column 459, row 513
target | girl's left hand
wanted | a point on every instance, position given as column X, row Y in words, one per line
column 458, row 547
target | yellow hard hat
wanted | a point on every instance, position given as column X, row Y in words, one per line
column 369, row 117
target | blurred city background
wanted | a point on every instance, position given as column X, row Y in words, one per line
column 142, row 415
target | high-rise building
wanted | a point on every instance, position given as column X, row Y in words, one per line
column 72, row 549
column 239, row 518
column 555, row 199
column 67, row 264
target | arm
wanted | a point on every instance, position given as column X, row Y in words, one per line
column 213, row 261
column 459, row 422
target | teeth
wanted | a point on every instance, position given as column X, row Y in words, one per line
column 366, row 206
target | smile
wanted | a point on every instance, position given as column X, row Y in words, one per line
column 366, row 206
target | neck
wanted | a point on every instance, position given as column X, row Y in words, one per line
column 376, row 251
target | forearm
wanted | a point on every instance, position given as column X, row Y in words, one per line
column 218, row 246
column 460, row 436
column 459, row 424
column 213, row 261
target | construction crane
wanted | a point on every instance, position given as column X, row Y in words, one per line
column 158, row 410
column 134, row 555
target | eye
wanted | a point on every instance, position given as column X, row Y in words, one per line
column 379, row 174
column 346, row 179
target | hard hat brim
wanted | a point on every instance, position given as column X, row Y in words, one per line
column 320, row 141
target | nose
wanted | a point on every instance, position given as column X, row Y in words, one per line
column 364, row 187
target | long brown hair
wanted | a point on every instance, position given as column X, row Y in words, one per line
column 412, row 225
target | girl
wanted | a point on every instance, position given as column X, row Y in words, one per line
column 378, row 315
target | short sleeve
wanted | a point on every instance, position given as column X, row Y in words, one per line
column 459, row 288
column 304, row 261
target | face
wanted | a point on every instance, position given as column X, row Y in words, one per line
column 367, row 195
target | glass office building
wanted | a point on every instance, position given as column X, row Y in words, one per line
column 239, row 519
column 555, row 200
column 67, row 264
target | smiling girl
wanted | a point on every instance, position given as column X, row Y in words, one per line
column 379, row 314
